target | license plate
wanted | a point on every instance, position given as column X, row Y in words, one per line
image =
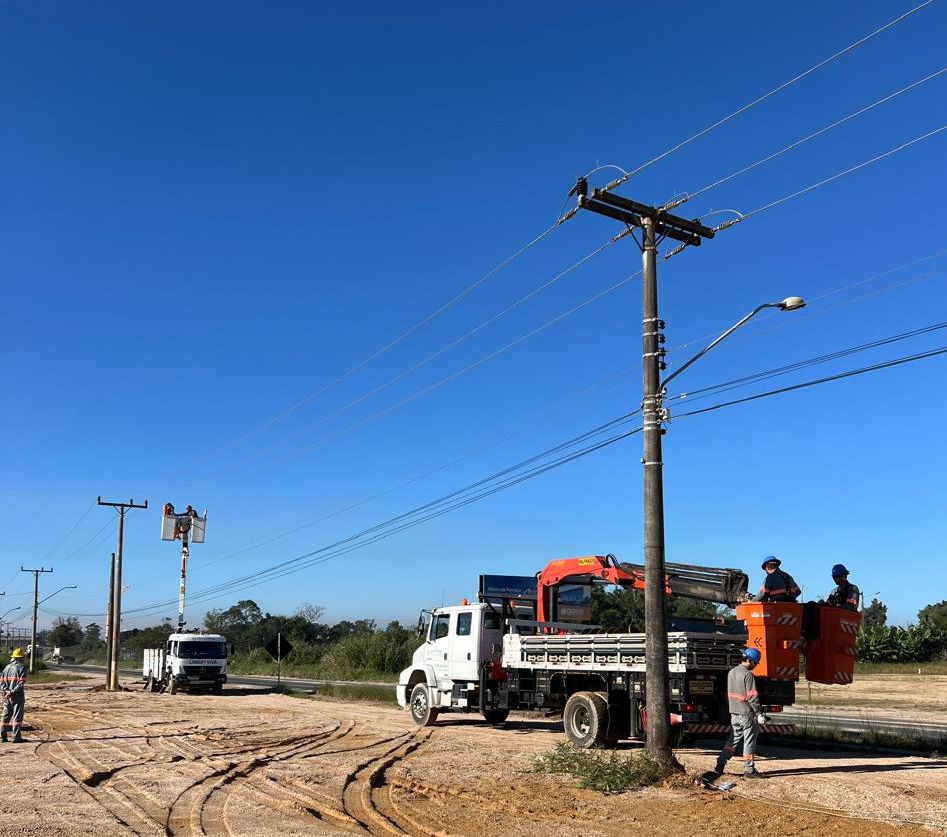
column 701, row 687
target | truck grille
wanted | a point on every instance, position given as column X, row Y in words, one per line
column 201, row 671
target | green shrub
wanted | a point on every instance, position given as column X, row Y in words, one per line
column 601, row 770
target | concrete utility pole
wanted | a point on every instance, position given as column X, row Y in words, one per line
column 111, row 675
column 36, row 574
column 655, row 224
column 108, row 619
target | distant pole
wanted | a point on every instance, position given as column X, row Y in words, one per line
column 108, row 622
column 279, row 657
column 116, row 622
column 36, row 574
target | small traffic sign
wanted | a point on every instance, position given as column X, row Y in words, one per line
column 278, row 647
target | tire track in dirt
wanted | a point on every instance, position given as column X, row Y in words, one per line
column 360, row 797
column 203, row 804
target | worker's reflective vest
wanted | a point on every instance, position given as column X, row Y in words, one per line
column 844, row 596
column 13, row 681
column 779, row 586
column 741, row 692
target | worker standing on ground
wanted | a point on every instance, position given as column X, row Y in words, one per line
column 746, row 715
column 845, row 594
column 778, row 586
column 13, row 689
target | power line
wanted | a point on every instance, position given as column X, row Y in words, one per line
column 458, row 499
column 71, row 530
column 453, row 344
column 327, row 515
column 786, row 149
column 614, row 184
column 805, row 384
column 834, row 177
column 391, row 344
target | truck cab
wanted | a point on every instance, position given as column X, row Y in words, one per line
column 187, row 661
column 448, row 670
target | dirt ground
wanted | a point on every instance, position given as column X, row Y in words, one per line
column 246, row 763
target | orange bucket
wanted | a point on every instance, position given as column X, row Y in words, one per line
column 775, row 630
column 830, row 656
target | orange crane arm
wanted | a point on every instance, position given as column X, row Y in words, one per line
column 585, row 568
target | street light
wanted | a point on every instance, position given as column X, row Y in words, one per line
column 70, row 587
column 790, row 303
column 653, row 415
column 18, row 607
column 36, row 604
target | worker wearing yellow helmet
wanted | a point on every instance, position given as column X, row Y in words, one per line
column 13, row 690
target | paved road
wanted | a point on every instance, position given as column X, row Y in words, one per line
column 870, row 721
column 237, row 679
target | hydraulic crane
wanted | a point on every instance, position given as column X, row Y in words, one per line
column 710, row 584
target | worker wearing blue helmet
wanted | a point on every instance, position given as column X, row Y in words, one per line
column 778, row 585
column 746, row 715
column 845, row 594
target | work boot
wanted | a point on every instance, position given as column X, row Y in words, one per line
column 753, row 774
column 3, row 739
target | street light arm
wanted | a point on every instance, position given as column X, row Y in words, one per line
column 790, row 303
column 70, row 587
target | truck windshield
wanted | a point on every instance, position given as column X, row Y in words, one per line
column 203, row 650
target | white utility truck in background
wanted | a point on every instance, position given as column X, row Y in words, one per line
column 189, row 661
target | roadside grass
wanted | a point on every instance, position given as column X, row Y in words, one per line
column 42, row 677
column 869, row 669
column 603, row 770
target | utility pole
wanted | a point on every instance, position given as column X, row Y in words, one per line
column 111, row 675
column 36, row 574
column 655, row 225
column 108, row 620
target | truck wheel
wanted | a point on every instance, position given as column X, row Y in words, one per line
column 173, row 685
column 585, row 719
column 421, row 710
column 495, row 716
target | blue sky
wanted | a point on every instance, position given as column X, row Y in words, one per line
column 209, row 212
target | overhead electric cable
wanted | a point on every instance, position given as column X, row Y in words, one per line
column 834, row 177
column 806, row 384
column 405, row 520
column 672, row 204
column 446, row 348
column 65, row 537
column 614, row 184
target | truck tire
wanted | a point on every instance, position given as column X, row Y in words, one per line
column 423, row 714
column 173, row 685
column 585, row 719
column 495, row 716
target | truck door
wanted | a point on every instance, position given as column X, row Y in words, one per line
column 464, row 651
column 438, row 645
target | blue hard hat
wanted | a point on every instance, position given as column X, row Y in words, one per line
column 770, row 559
column 752, row 655
column 839, row 569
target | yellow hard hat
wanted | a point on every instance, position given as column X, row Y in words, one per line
column 17, row 654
